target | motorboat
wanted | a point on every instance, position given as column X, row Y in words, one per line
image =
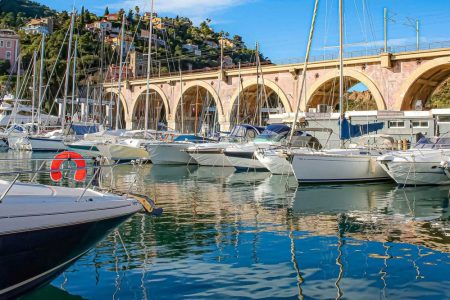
column 277, row 159
column 21, row 113
column 242, row 156
column 125, row 150
column 211, row 154
column 45, row 229
column 24, row 137
column 420, row 165
column 174, row 153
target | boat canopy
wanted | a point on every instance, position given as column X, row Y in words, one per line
column 348, row 131
column 191, row 138
column 80, row 129
column 274, row 132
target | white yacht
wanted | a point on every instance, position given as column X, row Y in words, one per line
column 420, row 165
column 44, row 229
column 242, row 156
column 174, row 153
column 211, row 154
column 21, row 113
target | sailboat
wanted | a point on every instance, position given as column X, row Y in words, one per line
column 339, row 165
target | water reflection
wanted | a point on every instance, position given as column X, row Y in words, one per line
column 253, row 235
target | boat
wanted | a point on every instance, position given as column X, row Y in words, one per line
column 420, row 165
column 173, row 153
column 242, row 156
column 211, row 154
column 277, row 159
column 125, row 150
column 44, row 229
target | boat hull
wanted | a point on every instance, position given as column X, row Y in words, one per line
column 416, row 173
column 211, row 158
column 118, row 152
column 323, row 168
column 244, row 161
column 57, row 248
column 170, row 154
column 275, row 162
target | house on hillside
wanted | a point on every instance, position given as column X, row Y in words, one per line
column 112, row 17
column 227, row 43
column 39, row 26
column 102, row 25
column 155, row 40
column 114, row 41
column 9, row 46
column 211, row 44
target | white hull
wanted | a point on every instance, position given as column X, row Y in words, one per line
column 118, row 152
column 211, row 159
column 85, row 148
column 170, row 154
column 416, row 166
column 321, row 167
column 410, row 173
column 27, row 143
column 243, row 158
column 275, row 161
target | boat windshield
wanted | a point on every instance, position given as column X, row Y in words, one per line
column 275, row 133
column 432, row 143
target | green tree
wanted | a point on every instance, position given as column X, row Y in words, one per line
column 5, row 65
column 106, row 11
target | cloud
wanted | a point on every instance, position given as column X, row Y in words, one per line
column 195, row 9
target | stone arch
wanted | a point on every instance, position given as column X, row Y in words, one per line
column 159, row 108
column 355, row 75
column 422, row 82
column 248, row 85
column 268, row 83
column 204, row 85
column 122, row 99
column 158, row 90
column 191, row 92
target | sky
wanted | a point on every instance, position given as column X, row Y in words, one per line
column 282, row 26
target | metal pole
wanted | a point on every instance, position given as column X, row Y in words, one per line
column 305, row 66
column 102, row 54
column 33, row 96
column 120, row 72
column 66, row 86
column 181, row 91
column 41, row 80
column 74, row 75
column 149, row 65
column 257, row 85
column 385, row 29
column 341, row 64
column 417, row 35
column 239, row 96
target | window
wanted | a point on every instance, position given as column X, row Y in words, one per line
column 396, row 124
column 2, row 44
column 444, row 119
column 8, row 54
column 419, row 124
column 8, row 44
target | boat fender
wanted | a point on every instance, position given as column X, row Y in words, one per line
column 148, row 204
column 56, row 174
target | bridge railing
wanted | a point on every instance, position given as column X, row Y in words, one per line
column 314, row 58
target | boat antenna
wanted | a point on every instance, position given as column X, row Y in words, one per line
column 305, row 65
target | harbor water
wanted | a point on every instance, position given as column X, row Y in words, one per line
column 252, row 235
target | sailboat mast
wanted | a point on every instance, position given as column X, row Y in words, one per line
column 122, row 35
column 149, row 65
column 66, row 86
column 239, row 96
column 33, row 96
column 74, row 77
column 341, row 65
column 41, row 79
column 305, row 65
column 19, row 60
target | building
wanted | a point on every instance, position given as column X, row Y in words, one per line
column 147, row 16
column 9, row 46
column 228, row 61
column 112, row 17
column 190, row 48
column 102, row 25
column 212, row 44
column 39, row 26
column 227, row 43
column 114, row 41
column 155, row 40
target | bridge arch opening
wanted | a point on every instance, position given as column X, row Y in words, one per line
column 110, row 113
column 359, row 94
column 428, row 87
column 157, row 111
column 256, row 102
column 197, row 111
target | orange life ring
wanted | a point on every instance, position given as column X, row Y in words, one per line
column 80, row 173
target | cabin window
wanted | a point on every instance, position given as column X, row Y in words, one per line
column 2, row 44
column 419, row 124
column 8, row 44
column 396, row 124
column 443, row 119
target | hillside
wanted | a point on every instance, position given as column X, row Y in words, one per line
column 13, row 13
